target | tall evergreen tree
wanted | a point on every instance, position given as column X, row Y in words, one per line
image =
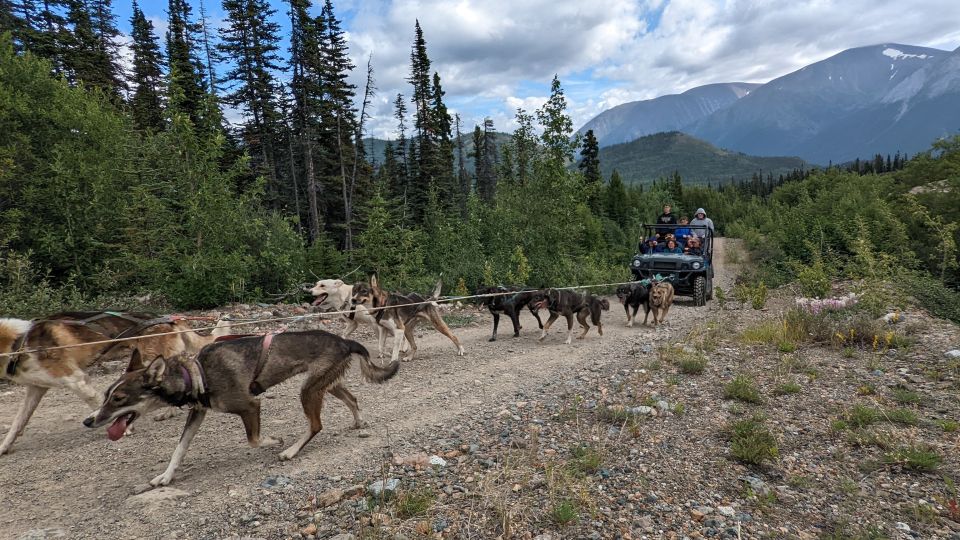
column 38, row 26
column 590, row 167
column 421, row 177
column 487, row 169
column 250, row 40
column 209, row 50
column 463, row 177
column 442, row 166
column 91, row 54
column 146, row 105
column 400, row 176
column 305, row 66
column 557, row 125
column 524, row 142
column 186, row 84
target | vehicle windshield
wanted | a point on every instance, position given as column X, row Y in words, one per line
column 676, row 240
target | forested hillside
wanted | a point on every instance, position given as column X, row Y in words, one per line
column 117, row 185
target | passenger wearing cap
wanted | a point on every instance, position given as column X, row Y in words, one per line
column 700, row 219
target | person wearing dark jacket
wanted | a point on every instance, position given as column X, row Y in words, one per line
column 666, row 218
column 651, row 246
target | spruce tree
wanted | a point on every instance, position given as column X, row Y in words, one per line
column 442, row 166
column 557, row 125
column 400, row 176
column 186, row 85
column 421, row 177
column 524, row 142
column 487, row 168
column 463, row 177
column 590, row 167
column 91, row 54
column 250, row 41
column 146, row 106
column 615, row 199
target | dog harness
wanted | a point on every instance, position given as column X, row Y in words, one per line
column 255, row 387
column 204, row 397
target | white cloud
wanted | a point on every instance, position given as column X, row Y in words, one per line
column 496, row 55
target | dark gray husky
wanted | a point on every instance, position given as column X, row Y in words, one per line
column 234, row 373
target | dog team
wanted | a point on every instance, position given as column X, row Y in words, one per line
column 173, row 366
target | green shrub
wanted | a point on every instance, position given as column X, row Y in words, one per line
column 813, row 280
column 902, row 416
column 586, row 459
column 788, row 388
column 564, row 512
column 861, row 416
column 415, row 503
column 751, row 441
column 742, row 388
column 904, row 396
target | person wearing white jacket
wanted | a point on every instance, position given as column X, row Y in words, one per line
column 700, row 219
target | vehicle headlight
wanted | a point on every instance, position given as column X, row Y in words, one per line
column 696, row 266
column 636, row 263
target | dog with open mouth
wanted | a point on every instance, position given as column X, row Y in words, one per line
column 233, row 374
column 336, row 295
column 38, row 365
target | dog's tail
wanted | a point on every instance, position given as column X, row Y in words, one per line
column 370, row 371
column 224, row 327
column 605, row 304
column 436, row 289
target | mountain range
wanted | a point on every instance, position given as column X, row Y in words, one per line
column 860, row 102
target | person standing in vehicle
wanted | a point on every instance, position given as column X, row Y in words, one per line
column 700, row 219
column 666, row 218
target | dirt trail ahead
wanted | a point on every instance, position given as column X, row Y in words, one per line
column 64, row 478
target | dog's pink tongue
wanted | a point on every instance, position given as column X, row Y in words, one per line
column 117, row 429
column 319, row 300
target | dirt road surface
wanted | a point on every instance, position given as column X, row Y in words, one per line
column 64, row 480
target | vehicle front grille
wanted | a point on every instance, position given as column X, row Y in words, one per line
column 666, row 265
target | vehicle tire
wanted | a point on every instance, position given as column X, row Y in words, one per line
column 700, row 291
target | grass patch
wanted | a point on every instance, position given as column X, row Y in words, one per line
column 751, row 442
column 585, row 460
column 415, row 503
column 742, row 388
column 564, row 512
column 904, row 417
column 842, row 530
column 865, row 438
column 866, row 389
column 788, row 388
column 918, row 458
column 904, row 396
column 617, row 416
column 861, row 416
column 948, row 426
column 692, row 365
column 786, row 347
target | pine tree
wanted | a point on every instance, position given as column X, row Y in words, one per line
column 209, row 49
column 400, row 176
column 307, row 94
column 442, row 166
column 146, row 105
column 38, row 26
column 477, row 155
column 590, row 167
column 422, row 180
column 524, row 142
column 186, row 86
column 91, row 53
column 557, row 125
column 250, row 41
column 487, row 168
column 337, row 117
column 615, row 199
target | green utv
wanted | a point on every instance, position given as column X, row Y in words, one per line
column 690, row 272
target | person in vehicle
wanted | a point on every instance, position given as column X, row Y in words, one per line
column 694, row 246
column 683, row 233
column 666, row 218
column 651, row 246
column 672, row 247
column 700, row 219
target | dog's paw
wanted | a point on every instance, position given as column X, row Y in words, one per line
column 269, row 441
column 288, row 454
column 460, row 351
column 361, row 424
column 162, row 480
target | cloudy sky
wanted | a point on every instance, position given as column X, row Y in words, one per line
column 494, row 56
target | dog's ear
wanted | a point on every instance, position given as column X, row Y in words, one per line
column 338, row 283
column 136, row 361
column 155, row 371
column 374, row 282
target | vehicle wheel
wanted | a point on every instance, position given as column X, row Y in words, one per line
column 700, row 291
column 710, row 288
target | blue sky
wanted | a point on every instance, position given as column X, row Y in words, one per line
column 497, row 55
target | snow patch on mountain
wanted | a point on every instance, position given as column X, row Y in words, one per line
column 897, row 54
